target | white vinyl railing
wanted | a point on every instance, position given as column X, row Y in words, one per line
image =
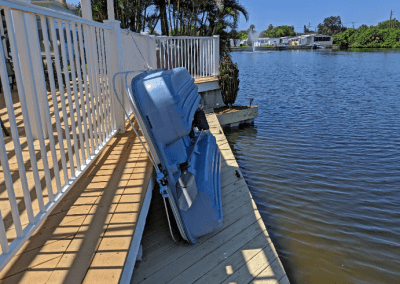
column 61, row 110
column 199, row 55
column 138, row 53
column 60, row 113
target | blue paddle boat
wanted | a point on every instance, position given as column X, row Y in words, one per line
column 185, row 153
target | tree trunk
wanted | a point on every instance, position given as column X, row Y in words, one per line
column 144, row 18
column 169, row 14
column 191, row 20
column 176, row 20
column 163, row 17
column 138, row 19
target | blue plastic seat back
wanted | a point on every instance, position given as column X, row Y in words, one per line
column 170, row 104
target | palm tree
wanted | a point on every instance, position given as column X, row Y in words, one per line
column 177, row 17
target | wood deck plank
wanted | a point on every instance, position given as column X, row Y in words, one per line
column 152, row 265
column 232, row 263
column 205, row 80
column 254, row 265
column 97, row 217
column 216, row 256
column 174, row 263
column 167, row 243
column 240, row 250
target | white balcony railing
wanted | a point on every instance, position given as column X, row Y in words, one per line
column 60, row 115
column 199, row 55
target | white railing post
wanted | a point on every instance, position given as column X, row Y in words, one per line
column 152, row 49
column 115, row 57
column 22, row 39
column 110, row 10
column 216, row 55
column 86, row 6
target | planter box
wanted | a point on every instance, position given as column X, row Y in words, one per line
column 237, row 117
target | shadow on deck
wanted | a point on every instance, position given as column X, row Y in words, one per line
column 88, row 235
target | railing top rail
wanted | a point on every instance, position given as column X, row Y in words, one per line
column 17, row 5
column 185, row 37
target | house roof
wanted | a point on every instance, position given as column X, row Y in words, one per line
column 309, row 35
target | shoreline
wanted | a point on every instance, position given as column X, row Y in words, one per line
column 270, row 48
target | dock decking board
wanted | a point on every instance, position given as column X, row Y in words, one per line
column 240, row 252
column 205, row 80
column 14, row 166
column 87, row 237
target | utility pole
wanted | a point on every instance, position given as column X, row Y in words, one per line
column 391, row 14
column 353, row 24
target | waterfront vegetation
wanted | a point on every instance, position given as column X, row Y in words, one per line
column 177, row 17
column 237, row 47
column 384, row 35
column 280, row 32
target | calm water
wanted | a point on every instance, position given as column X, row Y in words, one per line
column 323, row 160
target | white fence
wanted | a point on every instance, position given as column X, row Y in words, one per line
column 60, row 117
column 199, row 55
column 61, row 111
column 138, row 51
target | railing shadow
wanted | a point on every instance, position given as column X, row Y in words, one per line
column 98, row 213
column 27, row 162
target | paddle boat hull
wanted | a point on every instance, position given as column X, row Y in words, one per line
column 167, row 102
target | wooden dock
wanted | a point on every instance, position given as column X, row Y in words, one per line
column 240, row 252
column 88, row 237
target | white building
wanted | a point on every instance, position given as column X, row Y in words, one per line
column 266, row 41
column 316, row 39
column 234, row 42
column 244, row 41
column 295, row 40
column 283, row 40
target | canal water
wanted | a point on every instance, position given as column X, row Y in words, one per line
column 323, row 160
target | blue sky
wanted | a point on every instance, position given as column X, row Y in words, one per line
column 299, row 13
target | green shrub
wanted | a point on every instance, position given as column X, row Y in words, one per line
column 228, row 80
column 380, row 36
